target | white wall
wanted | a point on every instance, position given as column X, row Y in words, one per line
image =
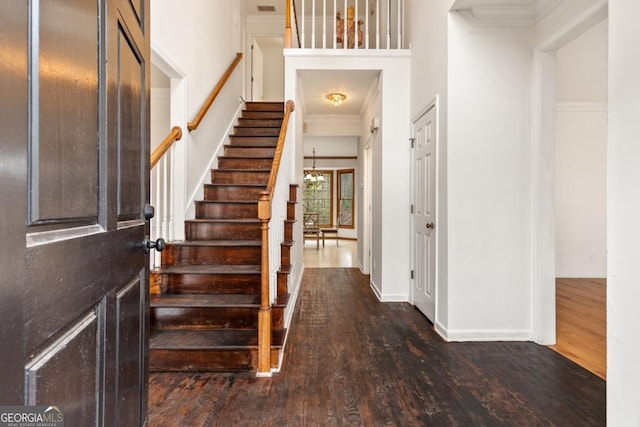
column 183, row 33
column 273, row 73
column 426, row 27
column 623, row 211
column 488, row 183
column 580, row 166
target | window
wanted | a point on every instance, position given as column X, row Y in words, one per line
column 345, row 198
column 318, row 197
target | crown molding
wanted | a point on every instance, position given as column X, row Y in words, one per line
column 487, row 14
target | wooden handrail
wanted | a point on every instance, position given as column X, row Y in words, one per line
column 287, row 24
column 173, row 136
column 193, row 125
column 264, row 214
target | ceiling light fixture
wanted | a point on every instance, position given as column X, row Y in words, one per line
column 336, row 98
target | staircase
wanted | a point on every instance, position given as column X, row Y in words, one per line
column 206, row 296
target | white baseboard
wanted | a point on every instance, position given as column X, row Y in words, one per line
column 461, row 335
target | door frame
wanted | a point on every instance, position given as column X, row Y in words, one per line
column 174, row 215
column 543, row 246
column 433, row 104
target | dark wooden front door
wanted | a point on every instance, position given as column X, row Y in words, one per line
column 74, row 153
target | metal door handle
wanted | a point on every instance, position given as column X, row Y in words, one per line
column 430, row 226
column 158, row 245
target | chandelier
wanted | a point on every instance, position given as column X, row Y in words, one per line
column 314, row 176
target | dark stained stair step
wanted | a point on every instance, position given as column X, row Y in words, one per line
column 265, row 106
column 259, row 122
column 249, row 151
column 215, row 350
column 256, row 131
column 233, row 192
column 240, row 252
column 257, row 114
column 221, row 209
column 225, row 229
column 205, row 279
column 215, row 311
column 242, row 162
column 240, row 176
column 253, row 141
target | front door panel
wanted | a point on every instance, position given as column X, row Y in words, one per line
column 74, row 303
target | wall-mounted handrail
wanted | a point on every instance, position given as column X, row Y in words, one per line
column 174, row 135
column 193, row 125
column 264, row 214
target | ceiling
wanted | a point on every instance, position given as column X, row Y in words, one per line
column 316, row 84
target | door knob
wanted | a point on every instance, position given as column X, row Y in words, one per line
column 158, row 245
column 430, row 226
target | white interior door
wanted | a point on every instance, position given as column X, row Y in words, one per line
column 257, row 64
column 423, row 216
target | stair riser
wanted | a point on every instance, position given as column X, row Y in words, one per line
column 237, row 177
column 210, row 318
column 202, row 360
column 253, row 141
column 199, row 318
column 207, row 360
column 240, row 151
column 212, row 210
column 244, row 163
column 231, row 192
column 210, row 283
column 261, row 122
column 265, row 106
column 256, row 114
column 251, row 131
column 228, row 255
column 224, row 231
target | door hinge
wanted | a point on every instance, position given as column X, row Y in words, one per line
column 413, row 140
column 412, row 208
column 412, row 274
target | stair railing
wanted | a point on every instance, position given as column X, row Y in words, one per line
column 166, row 173
column 264, row 214
column 361, row 25
column 193, row 125
column 161, row 166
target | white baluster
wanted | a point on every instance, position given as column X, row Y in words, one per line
column 335, row 25
column 303, row 24
column 324, row 24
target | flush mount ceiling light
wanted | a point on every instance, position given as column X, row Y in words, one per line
column 336, row 98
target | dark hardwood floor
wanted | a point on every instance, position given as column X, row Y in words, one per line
column 351, row 360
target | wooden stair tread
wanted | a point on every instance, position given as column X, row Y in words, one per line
column 206, row 300
column 246, row 202
column 210, row 339
column 217, row 243
column 243, row 170
column 209, row 269
column 224, row 220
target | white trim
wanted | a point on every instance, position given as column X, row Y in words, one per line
column 394, row 298
column 375, row 290
column 441, row 330
column 544, row 107
column 488, row 335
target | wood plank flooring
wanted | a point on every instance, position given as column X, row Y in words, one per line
column 581, row 323
column 351, row 360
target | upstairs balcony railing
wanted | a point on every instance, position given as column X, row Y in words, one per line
column 344, row 24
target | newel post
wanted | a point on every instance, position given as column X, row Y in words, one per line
column 264, row 315
column 287, row 27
